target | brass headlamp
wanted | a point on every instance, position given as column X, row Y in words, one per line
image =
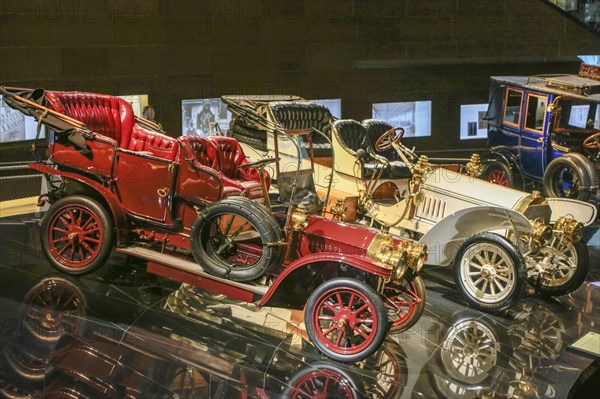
column 542, row 233
column 299, row 218
column 406, row 255
column 415, row 254
column 571, row 228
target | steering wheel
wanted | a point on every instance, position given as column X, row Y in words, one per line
column 257, row 164
column 592, row 142
column 385, row 141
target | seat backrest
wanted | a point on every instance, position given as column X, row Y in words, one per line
column 375, row 129
column 157, row 143
column 351, row 134
column 231, row 155
column 303, row 115
column 107, row 115
column 201, row 149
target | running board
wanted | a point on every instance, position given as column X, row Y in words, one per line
column 194, row 274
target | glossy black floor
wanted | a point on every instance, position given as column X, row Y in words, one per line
column 121, row 332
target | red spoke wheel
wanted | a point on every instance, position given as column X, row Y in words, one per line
column 76, row 235
column 323, row 380
column 54, row 305
column 499, row 173
column 346, row 319
column 405, row 302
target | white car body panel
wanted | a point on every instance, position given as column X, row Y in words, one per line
column 583, row 212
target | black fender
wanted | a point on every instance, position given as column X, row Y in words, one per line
column 513, row 163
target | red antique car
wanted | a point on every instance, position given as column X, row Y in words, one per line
column 199, row 213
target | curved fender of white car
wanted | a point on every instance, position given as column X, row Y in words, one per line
column 581, row 211
column 445, row 238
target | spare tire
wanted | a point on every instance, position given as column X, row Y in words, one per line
column 570, row 176
column 234, row 239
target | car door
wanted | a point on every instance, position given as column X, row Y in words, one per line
column 144, row 185
column 534, row 139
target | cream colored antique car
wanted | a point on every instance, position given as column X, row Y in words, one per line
column 498, row 239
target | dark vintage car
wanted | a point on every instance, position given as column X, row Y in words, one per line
column 199, row 213
column 545, row 131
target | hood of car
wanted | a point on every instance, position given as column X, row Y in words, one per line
column 446, row 192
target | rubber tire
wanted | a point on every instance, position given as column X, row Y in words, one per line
column 343, row 377
column 417, row 312
column 380, row 313
column 520, row 283
column 487, row 379
column 502, row 167
column 261, row 209
column 245, row 208
column 581, row 272
column 580, row 166
column 107, row 237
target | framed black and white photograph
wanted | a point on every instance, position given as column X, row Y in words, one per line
column 472, row 121
column 204, row 117
column 482, row 123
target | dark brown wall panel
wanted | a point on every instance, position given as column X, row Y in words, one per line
column 360, row 51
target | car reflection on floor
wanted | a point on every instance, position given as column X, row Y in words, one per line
column 122, row 332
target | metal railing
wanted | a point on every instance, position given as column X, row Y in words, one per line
column 20, row 187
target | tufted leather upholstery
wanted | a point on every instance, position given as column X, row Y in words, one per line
column 200, row 149
column 351, row 134
column 305, row 115
column 113, row 117
column 106, row 115
column 397, row 169
column 375, row 128
column 158, row 144
column 231, row 155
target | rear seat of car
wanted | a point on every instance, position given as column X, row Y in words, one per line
column 224, row 155
column 305, row 115
column 113, row 117
column 156, row 143
column 231, row 157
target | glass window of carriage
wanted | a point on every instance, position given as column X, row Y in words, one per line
column 535, row 113
column 512, row 107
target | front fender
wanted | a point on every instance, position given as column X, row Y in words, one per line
column 445, row 238
column 361, row 262
column 581, row 211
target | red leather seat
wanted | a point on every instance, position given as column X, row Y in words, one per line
column 106, row 115
column 200, row 149
column 231, row 156
column 113, row 117
column 155, row 143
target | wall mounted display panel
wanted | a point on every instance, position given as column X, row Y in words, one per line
column 14, row 126
column 579, row 117
column 204, row 116
column 414, row 117
column 472, row 121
